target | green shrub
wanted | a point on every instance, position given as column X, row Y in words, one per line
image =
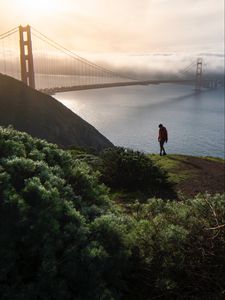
column 62, row 238
column 56, row 233
column 131, row 170
column 179, row 249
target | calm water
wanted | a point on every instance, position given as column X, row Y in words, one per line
column 129, row 116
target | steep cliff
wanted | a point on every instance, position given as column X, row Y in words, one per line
column 44, row 117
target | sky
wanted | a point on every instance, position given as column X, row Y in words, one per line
column 135, row 27
column 122, row 25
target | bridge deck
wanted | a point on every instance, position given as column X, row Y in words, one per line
column 108, row 85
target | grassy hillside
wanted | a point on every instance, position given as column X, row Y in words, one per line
column 62, row 236
column 192, row 175
column 42, row 116
column 186, row 176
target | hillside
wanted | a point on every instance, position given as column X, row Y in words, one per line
column 62, row 235
column 191, row 175
column 187, row 176
column 44, row 117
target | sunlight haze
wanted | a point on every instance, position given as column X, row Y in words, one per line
column 122, row 26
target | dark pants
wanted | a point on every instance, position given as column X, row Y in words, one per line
column 161, row 143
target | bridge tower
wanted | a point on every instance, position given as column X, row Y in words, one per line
column 198, row 78
column 26, row 56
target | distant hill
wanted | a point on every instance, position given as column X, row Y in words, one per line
column 44, row 117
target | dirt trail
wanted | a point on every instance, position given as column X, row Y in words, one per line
column 206, row 175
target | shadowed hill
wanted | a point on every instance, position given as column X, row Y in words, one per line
column 44, row 117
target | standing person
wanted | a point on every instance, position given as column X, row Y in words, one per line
column 163, row 137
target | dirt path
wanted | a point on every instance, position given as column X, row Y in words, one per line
column 208, row 176
column 193, row 175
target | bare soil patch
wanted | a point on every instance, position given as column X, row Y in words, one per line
column 197, row 175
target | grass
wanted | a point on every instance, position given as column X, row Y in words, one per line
column 217, row 159
column 174, row 165
column 187, row 176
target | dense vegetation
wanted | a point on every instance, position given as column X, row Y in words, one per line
column 61, row 237
column 180, row 248
column 128, row 171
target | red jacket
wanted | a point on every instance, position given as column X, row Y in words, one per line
column 163, row 135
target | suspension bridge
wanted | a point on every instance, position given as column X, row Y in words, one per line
column 43, row 64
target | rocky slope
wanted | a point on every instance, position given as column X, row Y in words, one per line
column 44, row 117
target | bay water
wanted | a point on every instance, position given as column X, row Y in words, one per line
column 129, row 116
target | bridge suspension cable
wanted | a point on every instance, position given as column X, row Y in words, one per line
column 9, row 54
column 75, row 56
column 8, row 33
column 187, row 69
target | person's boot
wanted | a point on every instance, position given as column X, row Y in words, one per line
column 164, row 153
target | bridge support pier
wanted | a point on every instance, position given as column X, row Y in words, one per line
column 26, row 56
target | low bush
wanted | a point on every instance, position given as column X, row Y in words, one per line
column 131, row 170
column 62, row 238
column 179, row 249
column 57, row 233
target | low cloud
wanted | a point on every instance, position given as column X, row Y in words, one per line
column 161, row 65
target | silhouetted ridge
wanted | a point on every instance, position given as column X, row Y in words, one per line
column 44, row 117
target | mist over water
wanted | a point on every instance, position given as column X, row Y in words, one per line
column 162, row 65
column 129, row 116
